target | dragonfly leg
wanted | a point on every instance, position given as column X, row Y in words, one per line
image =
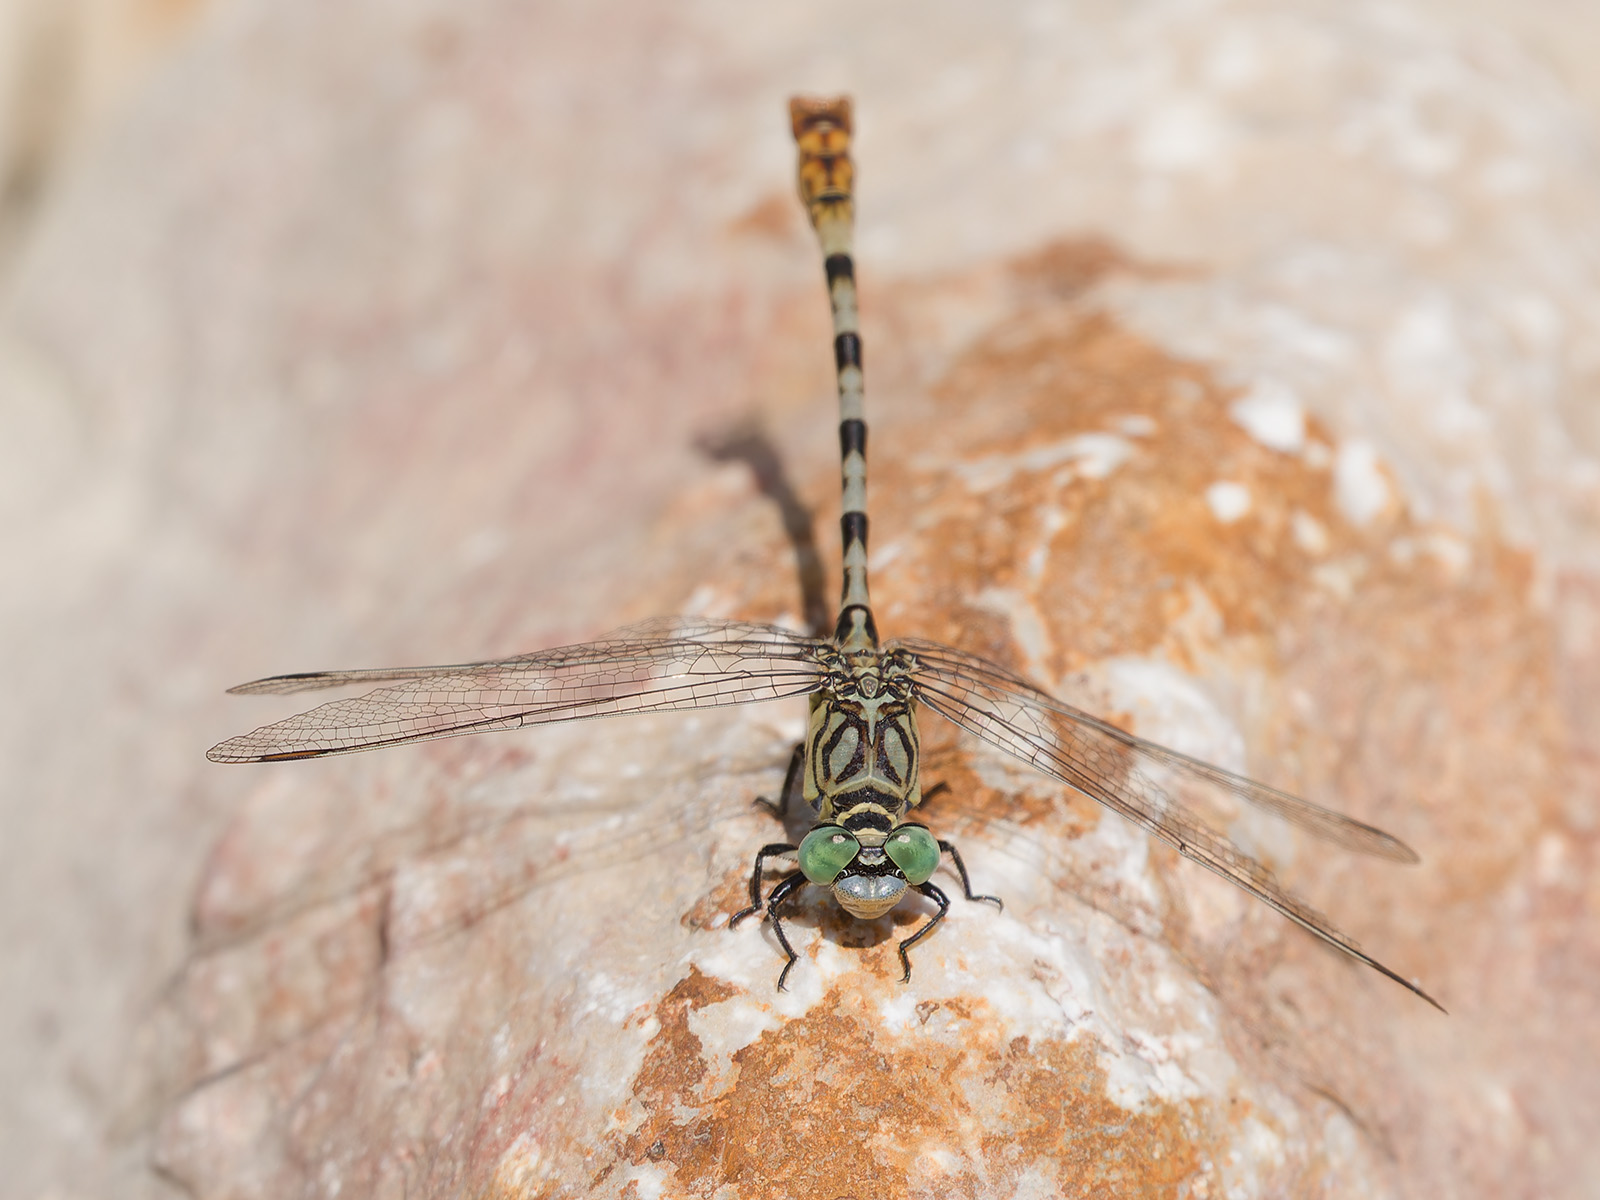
column 791, row 784
column 939, row 898
column 966, row 884
column 941, row 786
column 770, row 850
column 787, row 886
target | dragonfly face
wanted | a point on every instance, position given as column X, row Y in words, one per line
column 868, row 871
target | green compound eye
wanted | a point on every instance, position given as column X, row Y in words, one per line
column 915, row 851
column 826, row 851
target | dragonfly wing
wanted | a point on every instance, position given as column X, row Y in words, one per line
column 611, row 648
column 1324, row 823
column 677, row 663
column 1117, row 769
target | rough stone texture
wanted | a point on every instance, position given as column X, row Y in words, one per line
column 1229, row 364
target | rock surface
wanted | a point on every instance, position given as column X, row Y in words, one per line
column 1228, row 364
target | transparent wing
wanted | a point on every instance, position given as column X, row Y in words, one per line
column 1121, row 771
column 672, row 663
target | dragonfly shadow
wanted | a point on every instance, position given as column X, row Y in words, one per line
column 748, row 443
column 813, row 913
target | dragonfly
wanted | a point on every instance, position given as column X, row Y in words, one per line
column 858, row 768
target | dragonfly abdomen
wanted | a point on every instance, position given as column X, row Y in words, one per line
column 827, row 176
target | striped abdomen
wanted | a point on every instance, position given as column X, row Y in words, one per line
column 822, row 132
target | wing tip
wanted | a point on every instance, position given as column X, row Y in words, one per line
column 1372, row 841
column 273, row 685
column 1403, row 854
column 1362, row 956
column 231, row 751
column 1361, row 838
column 1415, row 990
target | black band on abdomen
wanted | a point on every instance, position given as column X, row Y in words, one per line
column 847, row 619
column 847, row 351
column 852, row 437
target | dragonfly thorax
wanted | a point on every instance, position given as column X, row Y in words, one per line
column 861, row 751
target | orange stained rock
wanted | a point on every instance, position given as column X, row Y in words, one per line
column 827, row 1105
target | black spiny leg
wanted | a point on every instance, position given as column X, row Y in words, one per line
column 770, row 850
column 787, row 886
column 939, row 898
column 966, row 884
column 791, row 781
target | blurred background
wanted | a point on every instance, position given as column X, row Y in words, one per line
column 335, row 335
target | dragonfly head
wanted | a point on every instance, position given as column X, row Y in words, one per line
column 868, row 874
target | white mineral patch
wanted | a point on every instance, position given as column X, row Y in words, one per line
column 1182, row 134
column 706, row 601
column 1426, row 347
column 617, row 1051
column 1537, row 323
column 1096, row 455
column 1339, row 577
column 518, row 1169
column 1087, row 455
column 941, row 1159
column 1359, row 486
column 1271, row 413
column 1051, row 522
column 880, row 558
column 725, row 1029
column 1552, row 859
column 1034, row 1183
column 1168, row 707
column 750, row 959
column 1146, row 1066
column 1058, row 996
column 1448, row 550
column 1228, row 501
column 898, row 1010
column 1308, row 533
column 649, row 1181
column 1238, row 59
column 483, row 546
column 1258, row 1152
column 1120, row 852
column 1137, row 425
column 1027, row 626
column 1264, row 1143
